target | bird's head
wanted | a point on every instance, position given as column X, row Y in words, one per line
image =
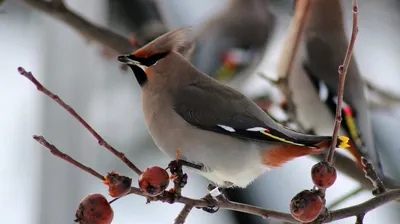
column 145, row 59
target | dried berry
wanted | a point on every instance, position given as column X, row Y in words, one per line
column 94, row 209
column 306, row 206
column 153, row 181
column 323, row 174
column 117, row 185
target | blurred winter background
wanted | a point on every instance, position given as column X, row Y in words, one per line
column 39, row 188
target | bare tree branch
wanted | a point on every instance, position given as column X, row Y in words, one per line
column 289, row 50
column 382, row 93
column 183, row 214
column 345, row 197
column 66, row 157
column 360, row 219
column 90, row 31
column 342, row 77
column 229, row 205
column 71, row 111
column 363, row 207
column 292, row 40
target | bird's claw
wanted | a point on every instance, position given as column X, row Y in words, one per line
column 213, row 208
column 180, row 178
column 175, row 167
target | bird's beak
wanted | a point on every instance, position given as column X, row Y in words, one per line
column 127, row 60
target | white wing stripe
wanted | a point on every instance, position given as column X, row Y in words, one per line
column 227, row 128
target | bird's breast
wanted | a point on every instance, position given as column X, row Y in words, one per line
column 225, row 158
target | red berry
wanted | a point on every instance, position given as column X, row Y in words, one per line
column 323, row 174
column 306, row 206
column 117, row 185
column 153, row 181
column 94, row 209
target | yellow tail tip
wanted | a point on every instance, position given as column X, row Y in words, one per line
column 344, row 142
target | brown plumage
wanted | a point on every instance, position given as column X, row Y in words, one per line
column 171, row 41
column 277, row 156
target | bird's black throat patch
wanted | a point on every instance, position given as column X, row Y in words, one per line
column 140, row 75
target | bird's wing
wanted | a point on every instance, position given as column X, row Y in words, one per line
column 216, row 107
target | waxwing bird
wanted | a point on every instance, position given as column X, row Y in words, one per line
column 227, row 135
column 226, row 43
column 326, row 45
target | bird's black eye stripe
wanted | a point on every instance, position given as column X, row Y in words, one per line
column 150, row 60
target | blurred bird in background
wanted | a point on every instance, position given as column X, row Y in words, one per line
column 230, row 40
column 326, row 44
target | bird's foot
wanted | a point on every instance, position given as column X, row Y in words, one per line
column 213, row 204
column 177, row 164
column 213, row 198
column 179, row 178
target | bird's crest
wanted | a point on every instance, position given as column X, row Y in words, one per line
column 174, row 40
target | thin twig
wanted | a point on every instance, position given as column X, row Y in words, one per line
column 71, row 111
column 183, row 214
column 342, row 77
column 89, row 30
column 289, row 51
column 372, row 175
column 58, row 3
column 383, row 94
column 292, row 40
column 364, row 207
column 345, row 197
column 66, row 157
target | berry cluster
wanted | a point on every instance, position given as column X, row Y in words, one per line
column 308, row 204
column 95, row 209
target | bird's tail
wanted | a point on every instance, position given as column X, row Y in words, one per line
column 344, row 143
